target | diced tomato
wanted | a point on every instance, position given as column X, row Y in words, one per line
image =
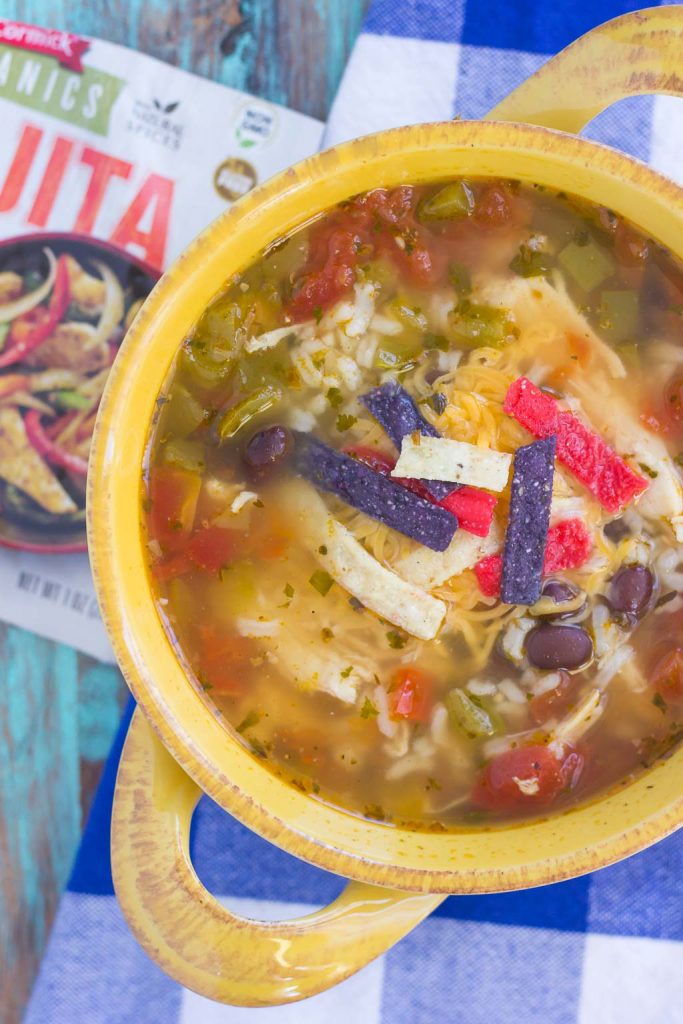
column 173, row 495
column 554, row 702
column 223, row 658
column 170, row 568
column 214, row 547
column 392, row 206
column 667, row 677
column 630, row 248
column 526, row 777
column 493, row 207
column 411, row 694
column 473, row 509
column 329, row 272
column 673, row 399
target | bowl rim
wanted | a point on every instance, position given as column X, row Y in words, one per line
column 329, row 837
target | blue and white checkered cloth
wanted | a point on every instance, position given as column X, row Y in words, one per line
column 603, row 949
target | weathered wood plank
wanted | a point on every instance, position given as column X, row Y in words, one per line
column 288, row 51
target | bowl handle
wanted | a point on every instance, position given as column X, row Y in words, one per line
column 197, row 940
column 633, row 55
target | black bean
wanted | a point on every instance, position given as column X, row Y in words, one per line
column 551, row 647
column 267, row 450
column 616, row 530
column 630, row 591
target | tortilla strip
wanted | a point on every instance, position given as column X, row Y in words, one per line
column 22, row 466
column 354, row 568
column 439, row 458
column 430, row 569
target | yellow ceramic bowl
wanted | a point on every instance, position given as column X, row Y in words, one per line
column 189, row 750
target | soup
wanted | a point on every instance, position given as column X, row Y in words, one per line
column 413, row 504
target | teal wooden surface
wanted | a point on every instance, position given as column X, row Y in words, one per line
column 59, row 710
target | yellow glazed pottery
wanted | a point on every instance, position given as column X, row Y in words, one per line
column 177, row 747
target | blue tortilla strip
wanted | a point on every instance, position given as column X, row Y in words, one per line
column 395, row 410
column 527, row 530
column 376, row 495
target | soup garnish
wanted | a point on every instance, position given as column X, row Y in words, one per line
column 414, row 506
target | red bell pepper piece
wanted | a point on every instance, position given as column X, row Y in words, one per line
column 31, row 330
column 569, row 546
column 590, row 459
column 472, row 508
column 46, row 447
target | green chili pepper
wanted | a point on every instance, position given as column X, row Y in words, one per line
column 186, row 454
column 469, row 715
column 456, row 200
column 589, row 265
column 472, row 325
column 619, row 314
column 237, row 417
column 182, row 413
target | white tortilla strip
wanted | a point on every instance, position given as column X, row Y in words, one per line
column 548, row 311
column 439, row 458
column 354, row 569
column 429, row 569
column 22, row 466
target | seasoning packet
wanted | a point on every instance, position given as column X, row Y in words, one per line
column 111, row 163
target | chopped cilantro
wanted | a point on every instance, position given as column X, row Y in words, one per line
column 396, row 640
column 334, row 397
column 368, row 710
column 251, row 719
column 322, row 550
column 652, row 473
column 459, row 276
column 317, row 313
column 288, row 590
column 326, row 634
column 345, row 421
column 346, row 672
column 432, row 784
column 322, row 581
column 660, row 703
